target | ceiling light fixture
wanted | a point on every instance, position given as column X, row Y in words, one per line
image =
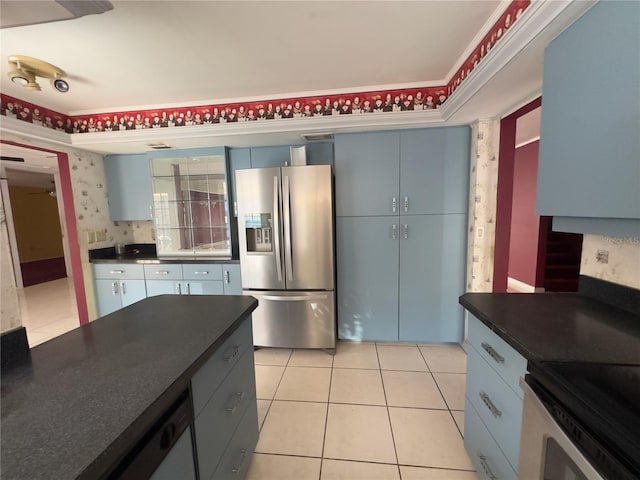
column 24, row 70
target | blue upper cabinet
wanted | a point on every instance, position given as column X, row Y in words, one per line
column 129, row 187
column 434, row 171
column 589, row 163
column 263, row 157
column 367, row 170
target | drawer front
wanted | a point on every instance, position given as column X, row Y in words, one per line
column 220, row 417
column 508, row 363
column 497, row 405
column 202, row 271
column 487, row 458
column 163, row 271
column 118, row 270
column 206, row 380
column 237, row 457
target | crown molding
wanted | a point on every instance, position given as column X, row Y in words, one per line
column 532, row 23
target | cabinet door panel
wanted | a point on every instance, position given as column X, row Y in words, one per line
column 432, row 266
column 262, row 157
column 129, row 187
column 367, row 263
column 434, row 171
column 108, row 296
column 202, row 288
column 231, row 276
column 161, row 287
column 132, row 291
column 367, row 173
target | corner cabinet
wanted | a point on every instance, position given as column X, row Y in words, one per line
column 493, row 403
column 129, row 187
column 589, row 167
column 401, row 203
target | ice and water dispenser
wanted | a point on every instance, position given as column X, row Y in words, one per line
column 259, row 232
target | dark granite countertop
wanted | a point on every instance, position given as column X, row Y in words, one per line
column 559, row 327
column 83, row 399
column 146, row 253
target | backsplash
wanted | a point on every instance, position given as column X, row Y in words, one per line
column 615, row 260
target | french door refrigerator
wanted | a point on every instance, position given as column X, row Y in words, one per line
column 286, row 236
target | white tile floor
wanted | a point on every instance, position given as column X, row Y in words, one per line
column 371, row 412
column 48, row 310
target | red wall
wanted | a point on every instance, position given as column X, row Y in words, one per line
column 525, row 223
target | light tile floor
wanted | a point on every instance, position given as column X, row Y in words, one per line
column 48, row 310
column 371, row 412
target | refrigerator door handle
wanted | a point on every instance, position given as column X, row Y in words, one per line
column 276, row 228
column 293, row 298
column 288, row 257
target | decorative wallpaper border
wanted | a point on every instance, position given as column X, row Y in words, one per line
column 377, row 102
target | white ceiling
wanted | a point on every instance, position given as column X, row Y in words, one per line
column 153, row 53
column 156, row 54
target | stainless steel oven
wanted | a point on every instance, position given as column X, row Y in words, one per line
column 580, row 422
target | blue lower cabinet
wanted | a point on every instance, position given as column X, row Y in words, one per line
column 202, row 288
column 231, row 278
column 432, row 273
column 179, row 462
column 487, row 458
column 237, row 457
column 161, row 287
column 367, row 266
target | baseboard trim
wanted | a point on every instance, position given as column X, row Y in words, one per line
column 521, row 287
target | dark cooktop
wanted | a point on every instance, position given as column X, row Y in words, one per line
column 603, row 398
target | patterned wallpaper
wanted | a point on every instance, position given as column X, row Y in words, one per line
column 615, row 260
column 483, row 181
column 380, row 102
column 9, row 305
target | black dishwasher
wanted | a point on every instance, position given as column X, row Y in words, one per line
column 151, row 450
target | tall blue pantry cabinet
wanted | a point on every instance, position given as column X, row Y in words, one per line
column 401, row 207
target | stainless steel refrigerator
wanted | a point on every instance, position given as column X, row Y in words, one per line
column 286, row 236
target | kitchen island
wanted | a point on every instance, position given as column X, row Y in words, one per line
column 80, row 403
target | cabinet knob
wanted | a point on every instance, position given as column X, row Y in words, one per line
column 122, row 289
column 114, row 288
column 227, row 277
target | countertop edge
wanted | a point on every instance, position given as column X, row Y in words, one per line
column 120, row 447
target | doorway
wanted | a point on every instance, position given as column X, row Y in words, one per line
column 529, row 256
column 50, row 251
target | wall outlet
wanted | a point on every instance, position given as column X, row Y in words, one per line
column 101, row 236
column 91, row 237
column 480, row 232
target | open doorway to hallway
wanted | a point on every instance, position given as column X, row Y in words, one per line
column 39, row 251
column 529, row 256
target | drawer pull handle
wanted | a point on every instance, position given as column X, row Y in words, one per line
column 201, row 272
column 492, row 408
column 486, row 467
column 238, row 396
column 232, row 355
column 227, row 277
column 116, row 272
column 394, row 205
column 162, row 272
column 122, row 289
column 492, row 352
column 236, row 470
column 114, row 288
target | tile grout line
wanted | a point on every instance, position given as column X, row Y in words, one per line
column 326, row 418
column 384, row 391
